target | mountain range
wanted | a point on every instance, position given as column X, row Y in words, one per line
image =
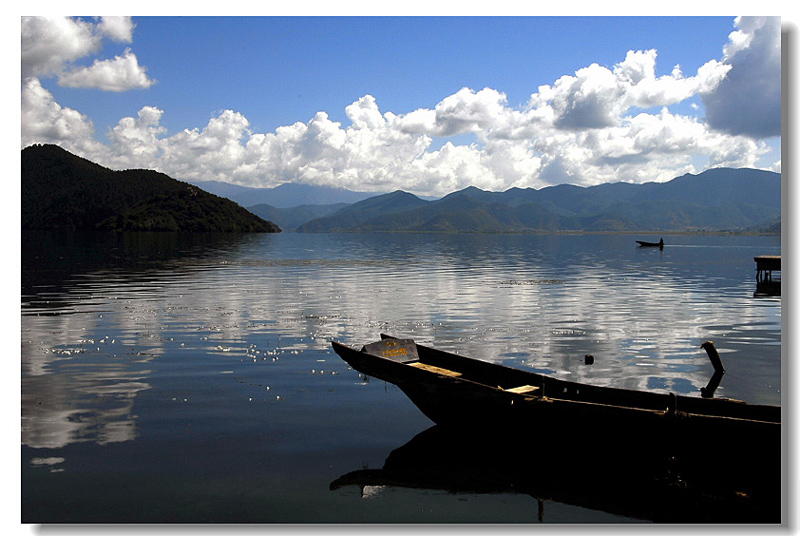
column 289, row 195
column 721, row 199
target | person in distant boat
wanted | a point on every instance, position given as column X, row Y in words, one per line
column 661, row 243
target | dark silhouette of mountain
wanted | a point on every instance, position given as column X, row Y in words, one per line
column 284, row 196
column 715, row 200
column 63, row 191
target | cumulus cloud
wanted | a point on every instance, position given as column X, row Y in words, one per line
column 119, row 29
column 45, row 121
column 748, row 101
column 51, row 46
column 591, row 99
column 135, row 141
column 376, row 153
column 119, row 74
column 599, row 124
column 599, row 97
column 468, row 111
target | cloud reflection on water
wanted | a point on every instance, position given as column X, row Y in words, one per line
column 536, row 302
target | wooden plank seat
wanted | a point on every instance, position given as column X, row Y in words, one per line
column 437, row 370
column 522, row 389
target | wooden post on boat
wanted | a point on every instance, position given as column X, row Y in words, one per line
column 713, row 383
column 719, row 370
column 713, row 355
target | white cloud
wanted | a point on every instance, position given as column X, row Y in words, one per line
column 599, row 97
column 593, row 98
column 135, row 141
column 376, row 152
column 122, row 73
column 364, row 113
column 209, row 154
column 45, row 121
column 52, row 45
column 748, row 101
column 451, row 168
column 119, row 29
column 468, row 111
column 645, row 90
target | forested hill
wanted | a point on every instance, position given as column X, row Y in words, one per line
column 63, row 191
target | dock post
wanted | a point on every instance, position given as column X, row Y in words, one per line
column 765, row 265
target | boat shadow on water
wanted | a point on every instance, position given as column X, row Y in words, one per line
column 646, row 456
column 633, row 481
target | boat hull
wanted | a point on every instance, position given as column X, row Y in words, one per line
column 458, row 397
column 730, row 444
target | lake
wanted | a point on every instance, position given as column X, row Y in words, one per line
column 190, row 378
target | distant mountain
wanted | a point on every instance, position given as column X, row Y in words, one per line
column 715, row 200
column 770, row 228
column 291, row 218
column 63, row 191
column 284, row 196
column 360, row 216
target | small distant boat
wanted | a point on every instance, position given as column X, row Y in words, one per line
column 659, row 244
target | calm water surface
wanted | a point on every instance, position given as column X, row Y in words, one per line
column 190, row 379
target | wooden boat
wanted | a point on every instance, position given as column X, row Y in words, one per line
column 453, row 389
column 732, row 444
column 659, row 244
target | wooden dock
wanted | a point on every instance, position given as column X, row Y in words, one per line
column 765, row 265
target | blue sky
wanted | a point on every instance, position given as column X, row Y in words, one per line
column 424, row 104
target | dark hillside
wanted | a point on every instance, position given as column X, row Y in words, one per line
column 63, row 191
